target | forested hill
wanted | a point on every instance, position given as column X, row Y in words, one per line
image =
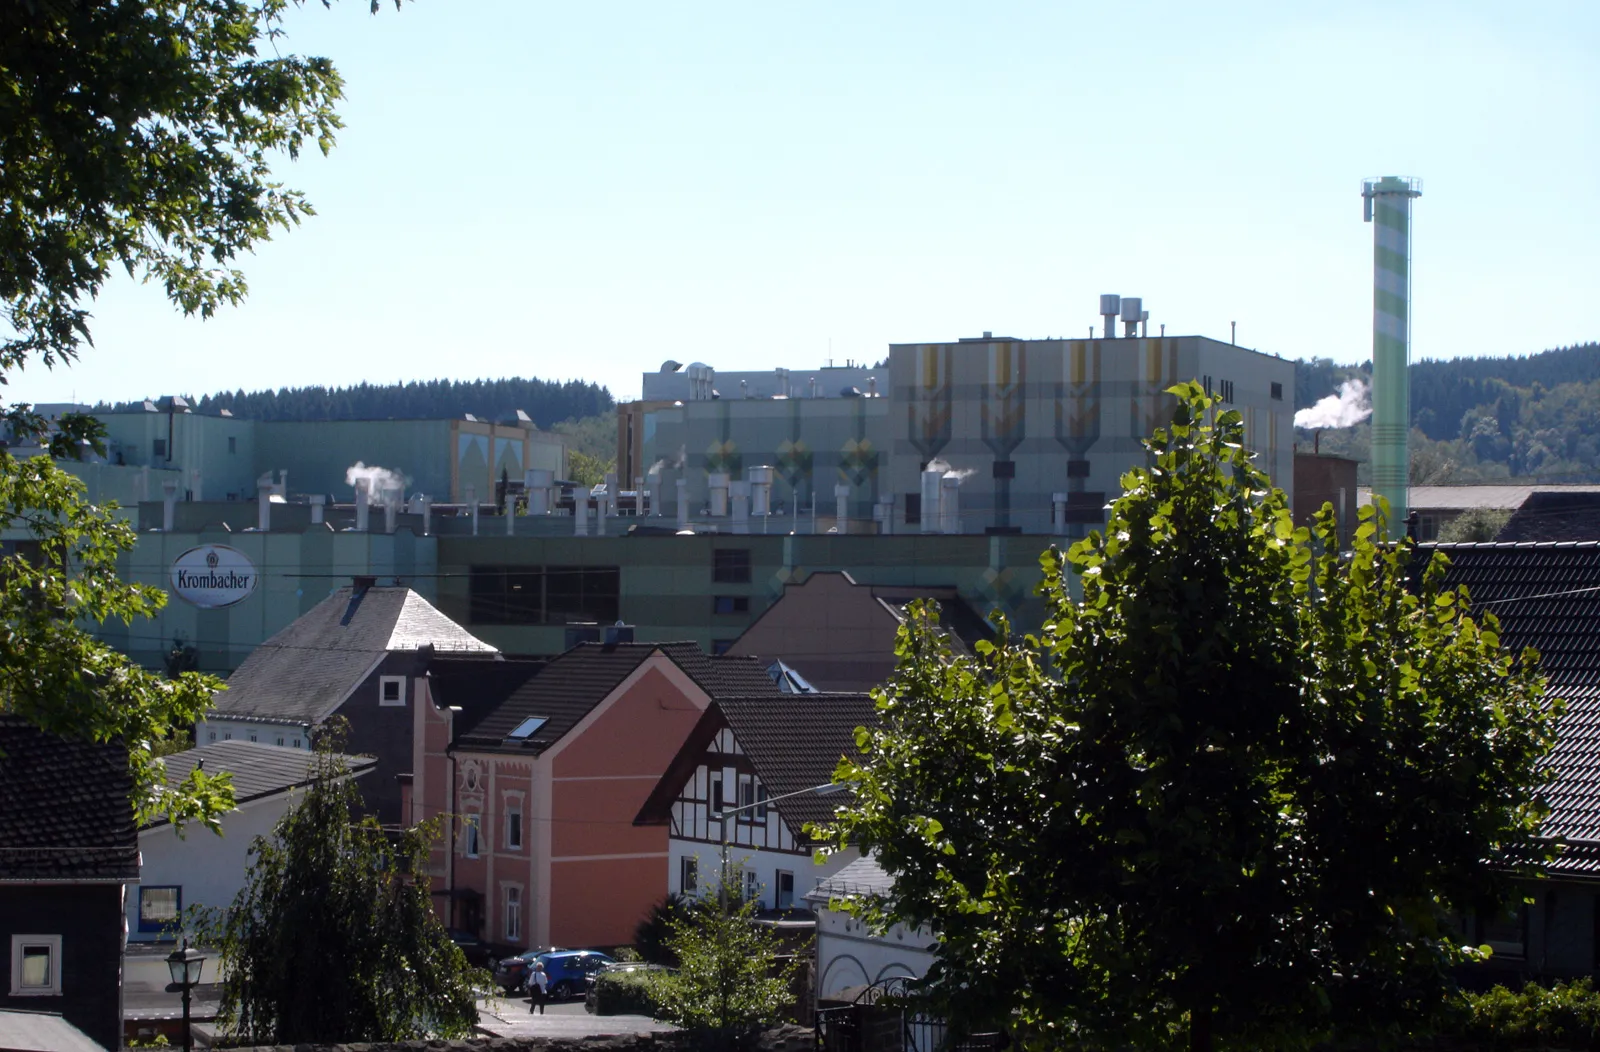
column 1526, row 416
column 546, row 402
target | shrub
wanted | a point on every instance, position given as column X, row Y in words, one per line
column 626, row 993
column 1564, row 1016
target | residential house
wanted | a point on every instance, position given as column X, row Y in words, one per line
column 849, row 957
column 359, row 654
column 69, row 851
column 541, row 769
column 840, row 635
column 1547, row 596
column 743, row 752
column 196, row 867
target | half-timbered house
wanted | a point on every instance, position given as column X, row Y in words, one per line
column 744, row 752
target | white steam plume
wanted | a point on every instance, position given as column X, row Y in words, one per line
column 1345, row 409
column 378, row 480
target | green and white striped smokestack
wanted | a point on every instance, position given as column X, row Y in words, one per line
column 1388, row 206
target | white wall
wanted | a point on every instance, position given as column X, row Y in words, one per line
column 289, row 735
column 209, row 868
column 765, row 863
column 848, row 955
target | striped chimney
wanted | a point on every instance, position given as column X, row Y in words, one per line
column 1388, row 208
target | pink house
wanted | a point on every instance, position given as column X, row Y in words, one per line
column 539, row 769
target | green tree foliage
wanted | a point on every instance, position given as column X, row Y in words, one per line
column 729, row 979
column 333, row 937
column 1235, row 795
column 138, row 136
column 594, row 435
column 588, row 470
column 1479, row 524
column 55, row 674
column 547, row 403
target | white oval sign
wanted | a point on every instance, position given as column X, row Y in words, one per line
column 213, row 575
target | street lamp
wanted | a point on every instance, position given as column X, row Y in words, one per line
column 825, row 789
column 185, row 965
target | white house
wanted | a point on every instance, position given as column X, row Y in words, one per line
column 850, row 957
column 195, row 866
column 744, row 752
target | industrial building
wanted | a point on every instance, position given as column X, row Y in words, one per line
column 950, row 467
column 218, row 457
column 981, row 435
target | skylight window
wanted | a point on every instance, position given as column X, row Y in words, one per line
column 526, row 728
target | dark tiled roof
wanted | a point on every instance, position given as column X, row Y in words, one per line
column 795, row 742
column 258, row 770
column 303, row 673
column 1552, row 515
column 66, row 808
column 477, row 687
column 573, row 683
column 1547, row 596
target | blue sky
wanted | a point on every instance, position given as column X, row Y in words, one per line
column 584, row 190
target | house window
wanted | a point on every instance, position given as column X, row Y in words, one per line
column 211, row 736
column 158, row 448
column 1507, row 934
column 785, row 897
column 159, row 907
column 227, row 736
column 716, row 794
column 513, row 914
column 297, row 743
column 730, row 565
column 252, row 736
column 730, row 604
column 1277, row 391
column 35, row 966
column 280, row 739
column 514, row 825
column 688, row 874
column 391, row 690
column 747, row 799
column 233, row 444
column 913, row 509
column 752, row 887
column 761, row 803
column 469, row 836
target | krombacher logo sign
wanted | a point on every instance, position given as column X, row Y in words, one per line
column 213, row 575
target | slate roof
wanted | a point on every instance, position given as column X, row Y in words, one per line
column 792, row 741
column 258, row 770
column 570, row 685
column 863, row 877
column 302, row 674
column 1547, row 596
column 476, row 687
column 26, row 1031
column 66, row 808
column 1555, row 515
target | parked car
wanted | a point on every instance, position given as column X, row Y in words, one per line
column 570, row 969
column 511, row 973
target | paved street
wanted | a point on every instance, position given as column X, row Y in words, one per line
column 506, row 1017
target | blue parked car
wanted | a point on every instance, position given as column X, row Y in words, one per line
column 569, row 970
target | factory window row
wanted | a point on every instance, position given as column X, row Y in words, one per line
column 544, row 595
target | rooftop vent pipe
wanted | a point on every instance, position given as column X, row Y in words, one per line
column 363, row 487
column 1132, row 308
column 1110, row 305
